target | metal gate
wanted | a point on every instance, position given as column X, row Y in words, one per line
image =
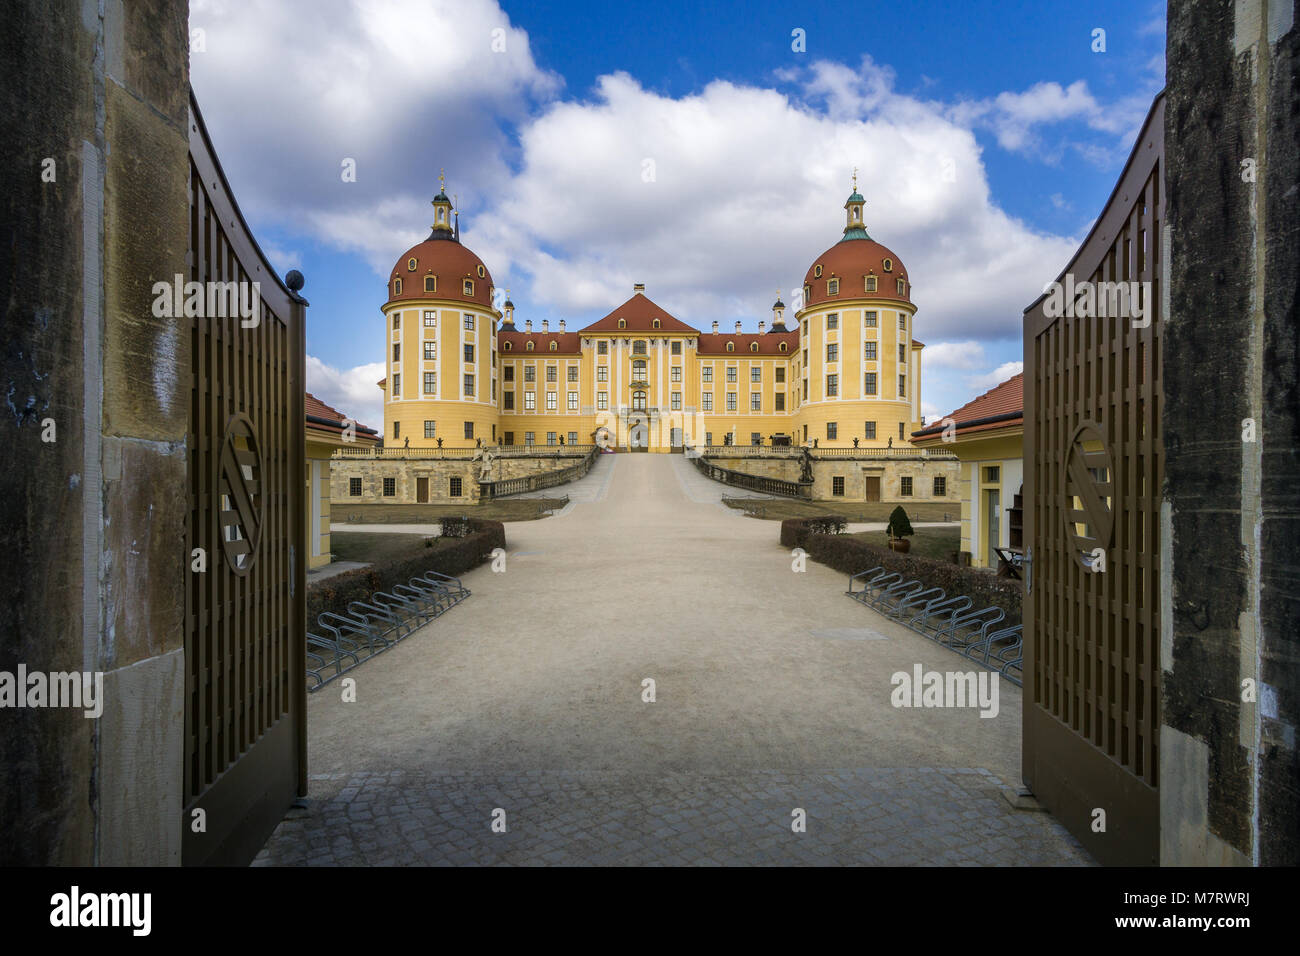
column 245, row 710
column 1094, row 469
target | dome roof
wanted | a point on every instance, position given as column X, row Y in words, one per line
column 850, row 260
column 450, row 263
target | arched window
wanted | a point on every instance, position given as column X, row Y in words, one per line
column 529, row 346
column 731, row 346
column 622, row 323
column 553, row 346
column 397, row 287
column 411, row 263
column 638, row 401
column 655, row 324
column 753, row 346
column 430, row 283
column 506, row 347
column 783, row 347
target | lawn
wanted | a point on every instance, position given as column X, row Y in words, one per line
column 372, row 548
column 778, row 509
column 506, row 509
column 935, row 543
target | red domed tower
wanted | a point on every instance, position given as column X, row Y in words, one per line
column 440, row 342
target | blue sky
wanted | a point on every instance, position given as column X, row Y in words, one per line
column 753, row 143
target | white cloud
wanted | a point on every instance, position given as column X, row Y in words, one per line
column 962, row 356
column 982, row 383
column 351, row 392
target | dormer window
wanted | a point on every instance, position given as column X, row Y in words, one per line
column 782, row 347
column 902, row 287
column 807, row 292
column 871, row 283
column 506, row 347
column 753, row 346
column 832, row 286
column 482, row 272
column 529, row 346
column 888, row 265
column 430, row 283
column 655, row 324
column 731, row 346
column 469, row 287
column 411, row 263
column 553, row 347
column 817, row 271
column 622, row 323
column 397, row 287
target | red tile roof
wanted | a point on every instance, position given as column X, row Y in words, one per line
column 315, row 408
column 1004, row 402
column 640, row 313
column 769, row 343
column 566, row 343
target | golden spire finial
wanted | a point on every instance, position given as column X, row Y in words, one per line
column 855, row 179
column 442, row 180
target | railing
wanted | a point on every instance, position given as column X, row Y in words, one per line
column 467, row 454
column 505, row 487
column 738, row 479
column 795, row 452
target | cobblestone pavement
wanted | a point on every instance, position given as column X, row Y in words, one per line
column 900, row 816
column 772, row 691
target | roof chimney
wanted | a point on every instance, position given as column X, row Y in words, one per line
column 528, row 326
column 639, row 288
column 761, row 326
column 715, row 328
column 546, row 323
column 561, row 325
column 737, row 328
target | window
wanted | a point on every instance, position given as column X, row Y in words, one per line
column 638, row 347
column 837, row 486
column 992, row 474
column 455, row 487
column 397, row 287
column 469, row 353
column 817, row 271
column 469, row 385
column 805, row 358
column 871, row 283
column 551, row 373
column 731, row 346
column 573, row 438
column 832, row 386
column 430, row 320
column 550, row 401
column 780, row 401
column 832, row 353
column 573, row 373
column 676, row 347
column 573, row 401
column 902, row 287
column 602, row 401
column 780, row 374
column 430, row 382
column 755, row 438
column 430, row 283
column 551, row 438
column 509, row 401
column 397, row 429
column 707, row 399
column 905, row 486
column 554, row 346
column 602, row 348
column 902, row 354
column 494, row 392
column 753, row 346
column 602, row 373
column 530, row 373
column 468, row 287
column 869, row 320
column 354, row 487
column 731, row 401
column 638, row 401
column 708, row 438
column 430, row 351
column 900, row 431
column 940, row 486
column 676, row 401
column 869, row 384
column 397, row 320
column 832, row 430
column 782, row 347
column 889, row 265
column 902, row 386
column 508, row 373
column 506, row 346
column 902, row 321
column 832, row 286
column 871, row 351
column 870, row 430
column 529, row 438
column 622, row 323
column 731, row 374
column 756, row 373
column 755, row 401
column 469, row 429
column 529, row 347
column 469, row 322
column 807, row 292
column 706, row 373
column 510, row 438
column 638, row 370
column 675, row 373
column 397, row 386
column 833, row 321
column 482, row 272
column 390, row 487
column 397, row 352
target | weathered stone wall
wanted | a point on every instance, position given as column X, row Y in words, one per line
column 855, row 472
column 439, row 472
column 1228, row 767
column 94, row 112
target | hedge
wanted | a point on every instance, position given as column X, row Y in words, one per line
column 335, row 593
column 853, row 555
column 795, row 530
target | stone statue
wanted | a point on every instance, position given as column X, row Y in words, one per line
column 485, row 458
column 805, row 464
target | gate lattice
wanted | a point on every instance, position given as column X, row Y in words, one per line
column 245, row 720
column 1094, row 469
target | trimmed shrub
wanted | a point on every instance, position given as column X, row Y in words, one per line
column 471, row 550
column 853, row 555
column 899, row 526
column 794, row 530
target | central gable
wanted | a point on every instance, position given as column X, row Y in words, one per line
column 639, row 314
